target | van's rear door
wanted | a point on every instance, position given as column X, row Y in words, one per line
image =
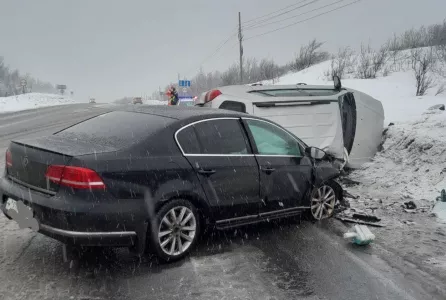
column 316, row 121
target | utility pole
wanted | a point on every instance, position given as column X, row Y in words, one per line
column 240, row 38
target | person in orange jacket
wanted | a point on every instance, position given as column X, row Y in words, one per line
column 173, row 96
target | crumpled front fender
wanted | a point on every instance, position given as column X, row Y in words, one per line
column 324, row 171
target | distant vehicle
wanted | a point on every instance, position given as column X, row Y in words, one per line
column 92, row 100
column 345, row 123
column 186, row 102
column 157, row 176
column 137, row 100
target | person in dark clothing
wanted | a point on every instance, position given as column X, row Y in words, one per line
column 173, row 96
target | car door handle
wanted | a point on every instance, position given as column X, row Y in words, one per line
column 267, row 170
column 206, row 171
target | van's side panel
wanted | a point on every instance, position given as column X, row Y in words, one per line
column 317, row 125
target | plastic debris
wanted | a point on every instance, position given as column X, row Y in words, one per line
column 439, row 209
column 360, row 235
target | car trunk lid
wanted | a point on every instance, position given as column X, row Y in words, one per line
column 31, row 159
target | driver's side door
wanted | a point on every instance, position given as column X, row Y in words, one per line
column 285, row 172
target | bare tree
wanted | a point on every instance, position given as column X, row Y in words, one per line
column 341, row 64
column 441, row 89
column 422, row 63
column 371, row 62
column 268, row 69
column 309, row 55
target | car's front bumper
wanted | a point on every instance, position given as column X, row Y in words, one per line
column 114, row 225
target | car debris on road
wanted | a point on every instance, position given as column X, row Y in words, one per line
column 360, row 235
column 439, row 209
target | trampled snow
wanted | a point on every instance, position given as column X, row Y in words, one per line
column 32, row 100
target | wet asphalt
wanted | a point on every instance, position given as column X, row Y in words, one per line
column 290, row 259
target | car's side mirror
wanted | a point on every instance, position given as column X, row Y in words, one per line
column 315, row 153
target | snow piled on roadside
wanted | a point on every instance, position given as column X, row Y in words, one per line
column 32, row 100
column 154, row 102
column 412, row 162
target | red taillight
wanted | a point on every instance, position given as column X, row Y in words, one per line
column 8, row 158
column 211, row 95
column 75, row 177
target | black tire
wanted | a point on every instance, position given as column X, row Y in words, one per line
column 338, row 196
column 154, row 239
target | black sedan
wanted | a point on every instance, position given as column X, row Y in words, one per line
column 156, row 175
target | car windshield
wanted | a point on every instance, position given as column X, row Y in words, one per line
column 222, row 150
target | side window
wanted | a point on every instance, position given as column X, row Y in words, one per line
column 234, row 106
column 271, row 140
column 223, row 136
column 188, row 141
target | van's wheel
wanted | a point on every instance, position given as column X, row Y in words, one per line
column 323, row 200
column 176, row 230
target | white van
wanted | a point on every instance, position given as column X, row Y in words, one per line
column 345, row 123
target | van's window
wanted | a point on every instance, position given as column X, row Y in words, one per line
column 234, row 106
column 296, row 92
column 221, row 137
column 271, row 140
column 188, row 140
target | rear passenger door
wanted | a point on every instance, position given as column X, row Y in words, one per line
column 225, row 165
column 285, row 173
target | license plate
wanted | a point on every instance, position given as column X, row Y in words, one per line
column 21, row 213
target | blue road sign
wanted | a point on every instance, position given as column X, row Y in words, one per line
column 185, row 83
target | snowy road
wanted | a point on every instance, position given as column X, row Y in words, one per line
column 269, row 261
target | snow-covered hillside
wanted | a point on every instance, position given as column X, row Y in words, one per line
column 32, row 100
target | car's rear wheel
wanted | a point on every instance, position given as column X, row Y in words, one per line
column 176, row 230
column 323, row 200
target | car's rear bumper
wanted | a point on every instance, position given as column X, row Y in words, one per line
column 97, row 238
column 114, row 225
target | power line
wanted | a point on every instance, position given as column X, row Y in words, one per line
column 284, row 13
column 271, row 13
column 295, row 16
column 283, row 27
column 219, row 47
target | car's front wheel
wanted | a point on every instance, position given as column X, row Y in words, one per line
column 176, row 230
column 323, row 200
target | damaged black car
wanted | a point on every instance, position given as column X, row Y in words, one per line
column 153, row 177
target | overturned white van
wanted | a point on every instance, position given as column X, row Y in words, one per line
column 346, row 123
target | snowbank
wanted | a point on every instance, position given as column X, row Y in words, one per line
column 154, row 102
column 32, row 100
column 411, row 164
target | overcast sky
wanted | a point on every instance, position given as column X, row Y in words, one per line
column 113, row 48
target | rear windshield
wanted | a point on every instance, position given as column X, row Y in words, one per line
column 117, row 129
column 296, row 92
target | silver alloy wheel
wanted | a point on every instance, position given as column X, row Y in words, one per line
column 177, row 230
column 323, row 201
